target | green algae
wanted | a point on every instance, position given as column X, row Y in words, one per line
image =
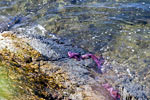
column 9, row 83
column 6, row 85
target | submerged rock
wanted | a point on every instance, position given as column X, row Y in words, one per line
column 5, row 25
column 44, row 70
column 129, row 54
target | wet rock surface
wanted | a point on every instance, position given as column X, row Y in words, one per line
column 7, row 24
column 46, row 72
column 128, row 87
column 45, row 77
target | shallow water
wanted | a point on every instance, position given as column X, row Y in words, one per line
column 120, row 28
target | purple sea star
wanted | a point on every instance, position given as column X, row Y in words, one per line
column 98, row 60
column 114, row 93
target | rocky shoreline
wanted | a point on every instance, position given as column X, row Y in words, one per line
column 46, row 72
column 51, row 74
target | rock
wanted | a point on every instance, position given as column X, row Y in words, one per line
column 132, row 91
column 44, row 71
column 129, row 89
column 5, row 26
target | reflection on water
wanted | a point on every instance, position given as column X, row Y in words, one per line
column 119, row 27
